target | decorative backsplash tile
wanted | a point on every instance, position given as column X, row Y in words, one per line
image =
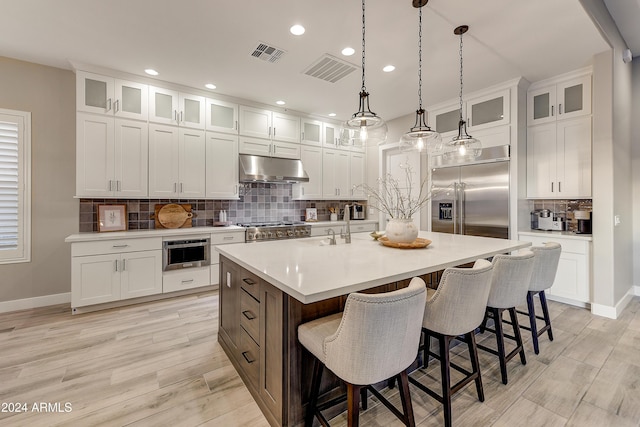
column 568, row 207
column 261, row 202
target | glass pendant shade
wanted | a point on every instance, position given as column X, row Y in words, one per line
column 420, row 137
column 365, row 127
column 463, row 147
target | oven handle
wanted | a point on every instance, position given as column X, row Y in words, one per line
column 172, row 245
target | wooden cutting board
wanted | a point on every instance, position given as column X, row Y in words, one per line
column 173, row 215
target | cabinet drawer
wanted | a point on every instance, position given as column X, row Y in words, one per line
column 188, row 278
column 249, row 357
column 228, row 237
column 361, row 228
column 250, row 315
column 250, row 283
column 116, row 246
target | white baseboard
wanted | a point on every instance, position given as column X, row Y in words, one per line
column 615, row 311
column 27, row 303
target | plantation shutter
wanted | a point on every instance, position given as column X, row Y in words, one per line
column 13, row 181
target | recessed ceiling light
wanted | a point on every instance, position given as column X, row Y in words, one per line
column 210, row 86
column 388, row 68
column 151, row 72
column 332, row 114
column 280, row 102
column 348, row 51
column 297, row 30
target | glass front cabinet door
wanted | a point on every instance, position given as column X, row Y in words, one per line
column 563, row 100
column 488, row 110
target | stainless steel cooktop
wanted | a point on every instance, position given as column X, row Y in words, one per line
column 277, row 230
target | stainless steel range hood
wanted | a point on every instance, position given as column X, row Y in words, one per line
column 271, row 169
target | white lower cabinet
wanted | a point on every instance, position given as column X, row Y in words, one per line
column 188, row 278
column 218, row 239
column 340, row 226
column 573, row 279
column 113, row 270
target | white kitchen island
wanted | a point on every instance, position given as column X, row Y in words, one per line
column 269, row 288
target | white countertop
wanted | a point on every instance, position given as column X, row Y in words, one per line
column 341, row 222
column 557, row 234
column 136, row 234
column 310, row 270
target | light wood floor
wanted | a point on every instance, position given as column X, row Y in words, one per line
column 159, row 364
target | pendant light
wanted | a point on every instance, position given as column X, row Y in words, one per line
column 365, row 127
column 420, row 136
column 463, row 146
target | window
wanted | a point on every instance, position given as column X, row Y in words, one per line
column 15, row 188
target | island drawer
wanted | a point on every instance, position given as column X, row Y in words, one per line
column 250, row 283
column 249, row 357
column 250, row 315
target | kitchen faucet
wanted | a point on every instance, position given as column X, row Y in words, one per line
column 332, row 239
column 346, row 236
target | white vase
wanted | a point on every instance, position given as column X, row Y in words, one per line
column 401, row 230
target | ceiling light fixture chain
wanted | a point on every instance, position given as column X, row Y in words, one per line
column 420, row 136
column 364, row 88
column 463, row 146
column 365, row 126
column 461, row 73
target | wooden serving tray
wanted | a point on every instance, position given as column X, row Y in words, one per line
column 173, row 215
column 416, row 244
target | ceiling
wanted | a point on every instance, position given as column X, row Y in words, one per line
column 193, row 42
column 626, row 14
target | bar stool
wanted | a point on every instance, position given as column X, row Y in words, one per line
column 545, row 267
column 456, row 308
column 374, row 339
column 509, row 286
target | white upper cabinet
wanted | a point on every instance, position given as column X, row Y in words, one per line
column 177, row 162
column 330, row 135
column 554, row 100
column 559, row 159
column 175, row 108
column 357, row 175
column 311, row 157
column 222, row 166
column 111, row 157
column 105, row 95
column 259, row 123
column 336, row 174
column 488, row 110
column 221, row 116
column 312, row 132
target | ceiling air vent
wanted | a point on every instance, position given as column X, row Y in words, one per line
column 330, row 69
column 267, row 53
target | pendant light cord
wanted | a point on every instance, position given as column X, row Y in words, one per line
column 364, row 89
column 461, row 83
column 420, row 59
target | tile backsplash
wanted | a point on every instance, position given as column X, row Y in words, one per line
column 261, row 202
column 564, row 206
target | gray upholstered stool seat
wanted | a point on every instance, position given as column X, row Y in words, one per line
column 456, row 308
column 374, row 339
column 545, row 267
column 509, row 286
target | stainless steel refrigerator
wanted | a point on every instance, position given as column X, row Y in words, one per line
column 472, row 198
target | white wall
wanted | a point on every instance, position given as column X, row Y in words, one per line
column 49, row 94
column 612, row 188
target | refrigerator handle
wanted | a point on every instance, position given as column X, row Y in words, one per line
column 455, row 208
column 462, row 207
